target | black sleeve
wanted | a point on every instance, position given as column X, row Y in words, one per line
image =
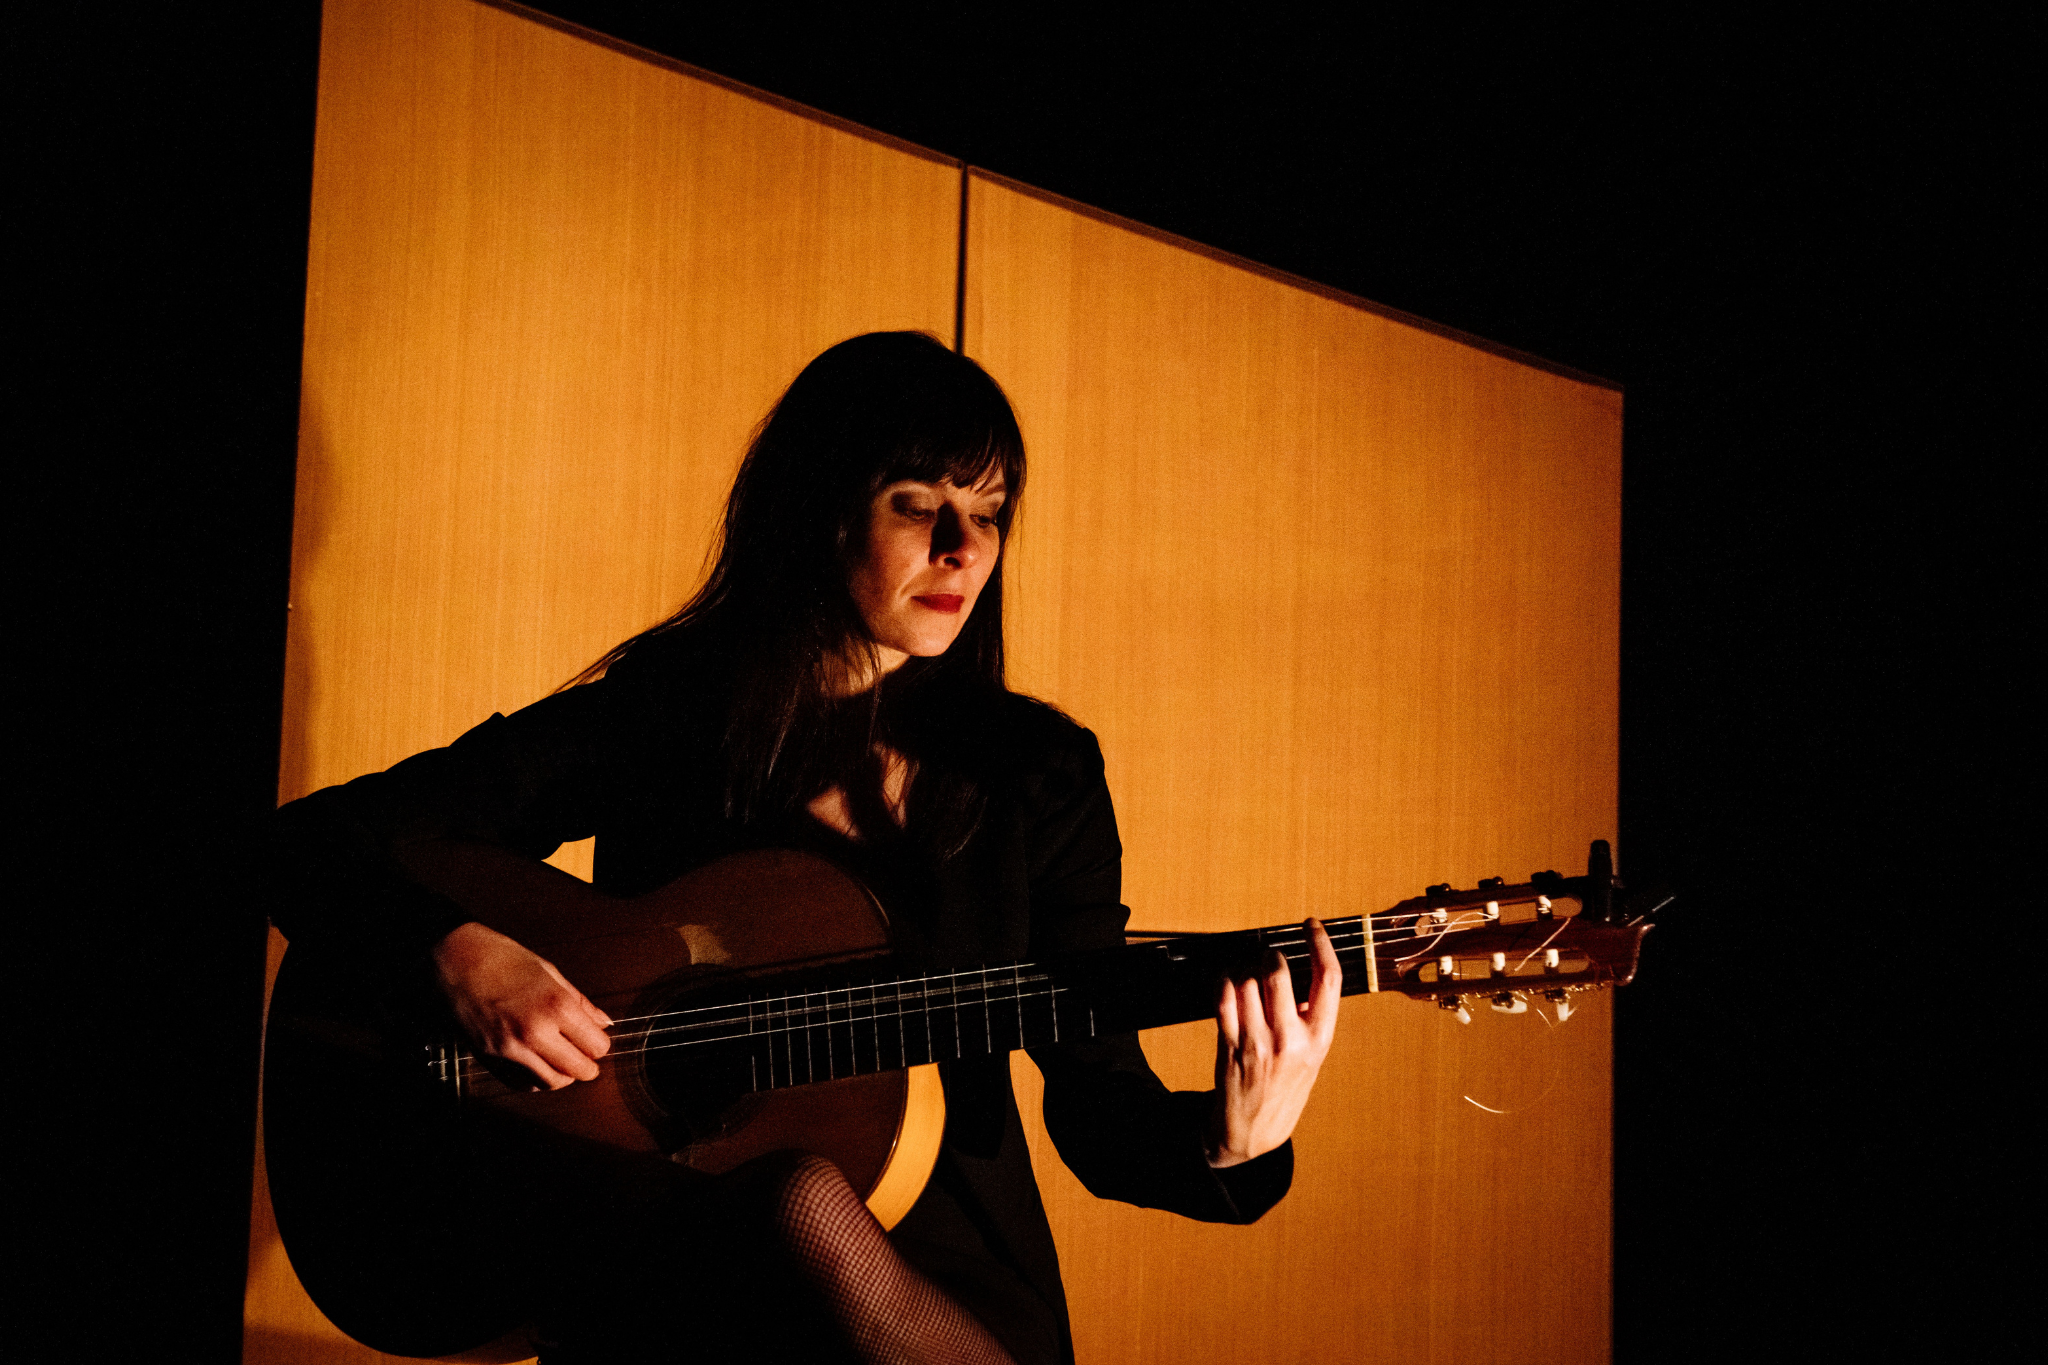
column 528, row 782
column 1116, row 1125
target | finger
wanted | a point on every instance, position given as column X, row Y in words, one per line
column 568, row 1060
column 604, row 1020
column 1326, row 988
column 1280, row 994
column 522, row 1055
column 1227, row 1034
column 588, row 1036
column 1256, row 1031
column 581, row 1003
column 1227, row 1027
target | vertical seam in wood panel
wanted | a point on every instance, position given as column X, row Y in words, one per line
column 960, row 270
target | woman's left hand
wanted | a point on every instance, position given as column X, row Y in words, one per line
column 1268, row 1050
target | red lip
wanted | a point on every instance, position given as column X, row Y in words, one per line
column 941, row 601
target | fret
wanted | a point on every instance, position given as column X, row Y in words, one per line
column 874, row 1030
column 830, row 1038
column 792, row 1049
column 902, row 1038
column 931, row 1040
column 787, row 1039
column 991, row 1001
column 853, row 1067
column 753, row 1049
column 955, row 1012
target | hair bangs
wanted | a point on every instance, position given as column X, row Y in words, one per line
column 973, row 449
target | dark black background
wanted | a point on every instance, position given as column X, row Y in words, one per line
column 1791, row 242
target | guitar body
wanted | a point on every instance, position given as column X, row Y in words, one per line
column 375, row 1155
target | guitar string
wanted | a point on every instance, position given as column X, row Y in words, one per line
column 990, row 978
column 990, row 985
column 1340, row 939
column 468, row 1064
column 784, row 1017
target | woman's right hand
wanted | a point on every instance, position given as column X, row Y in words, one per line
column 513, row 1004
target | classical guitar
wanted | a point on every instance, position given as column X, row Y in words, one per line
column 756, row 1010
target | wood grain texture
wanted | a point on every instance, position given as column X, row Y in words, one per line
column 552, row 288
column 1340, row 597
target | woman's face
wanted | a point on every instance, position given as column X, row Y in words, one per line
column 930, row 548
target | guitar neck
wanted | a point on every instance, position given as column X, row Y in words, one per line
column 1499, row 941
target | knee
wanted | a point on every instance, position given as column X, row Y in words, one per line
column 821, row 1220
column 811, row 1189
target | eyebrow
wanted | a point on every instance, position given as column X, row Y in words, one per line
column 999, row 491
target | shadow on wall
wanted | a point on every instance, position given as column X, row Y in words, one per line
column 279, row 1322
column 310, row 531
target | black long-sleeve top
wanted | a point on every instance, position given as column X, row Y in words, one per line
column 634, row 760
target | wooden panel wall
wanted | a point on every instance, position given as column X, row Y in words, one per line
column 553, row 286
column 1340, row 596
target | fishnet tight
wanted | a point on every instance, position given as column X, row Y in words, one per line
column 889, row 1313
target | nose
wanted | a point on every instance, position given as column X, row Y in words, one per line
column 952, row 547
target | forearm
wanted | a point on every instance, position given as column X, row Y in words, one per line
column 1128, row 1138
column 518, row 896
column 374, row 865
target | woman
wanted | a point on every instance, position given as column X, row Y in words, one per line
column 837, row 684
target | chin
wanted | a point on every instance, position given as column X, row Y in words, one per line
column 929, row 648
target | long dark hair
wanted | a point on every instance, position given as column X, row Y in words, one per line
column 775, row 617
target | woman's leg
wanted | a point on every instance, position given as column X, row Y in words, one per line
column 779, row 1260
column 887, row 1311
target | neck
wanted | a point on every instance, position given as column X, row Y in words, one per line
column 863, row 666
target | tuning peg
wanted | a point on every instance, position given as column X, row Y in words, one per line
column 1563, row 1001
column 1457, row 1003
column 1507, row 1002
column 1492, row 883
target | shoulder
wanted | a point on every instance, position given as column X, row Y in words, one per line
column 1042, row 752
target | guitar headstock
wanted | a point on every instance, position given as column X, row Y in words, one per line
column 1550, row 936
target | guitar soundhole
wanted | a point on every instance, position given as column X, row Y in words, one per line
column 690, row 1089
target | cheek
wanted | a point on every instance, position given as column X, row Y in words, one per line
column 882, row 570
column 991, row 556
